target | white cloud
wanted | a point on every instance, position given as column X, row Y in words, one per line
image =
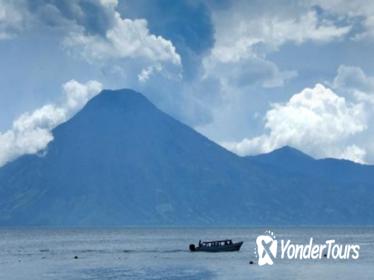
column 240, row 36
column 316, row 120
column 354, row 83
column 247, row 33
column 147, row 72
column 109, row 3
column 362, row 10
column 102, row 36
column 46, row 117
column 352, row 78
column 353, row 153
column 77, row 94
column 363, row 97
column 31, row 132
column 11, row 19
column 126, row 39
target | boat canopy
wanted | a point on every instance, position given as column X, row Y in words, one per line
column 217, row 242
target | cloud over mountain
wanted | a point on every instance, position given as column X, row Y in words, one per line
column 31, row 132
column 215, row 65
column 315, row 120
column 125, row 39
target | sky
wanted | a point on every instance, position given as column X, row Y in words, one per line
column 252, row 76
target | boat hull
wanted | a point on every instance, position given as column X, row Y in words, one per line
column 215, row 249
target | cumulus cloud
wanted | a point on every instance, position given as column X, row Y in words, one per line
column 31, row 132
column 77, row 94
column 125, row 47
column 316, row 120
column 126, row 39
column 186, row 23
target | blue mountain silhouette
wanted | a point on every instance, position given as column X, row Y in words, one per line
column 121, row 161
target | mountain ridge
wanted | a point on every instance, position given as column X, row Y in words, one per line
column 121, row 161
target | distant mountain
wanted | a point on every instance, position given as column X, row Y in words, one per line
column 121, row 161
column 335, row 170
column 285, row 155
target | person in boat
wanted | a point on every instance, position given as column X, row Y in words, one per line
column 199, row 243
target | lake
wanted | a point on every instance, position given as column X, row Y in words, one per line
column 162, row 253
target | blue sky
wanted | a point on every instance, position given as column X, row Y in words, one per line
column 251, row 75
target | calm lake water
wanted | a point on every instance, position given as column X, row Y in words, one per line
column 37, row 254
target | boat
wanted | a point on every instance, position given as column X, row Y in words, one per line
column 216, row 246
